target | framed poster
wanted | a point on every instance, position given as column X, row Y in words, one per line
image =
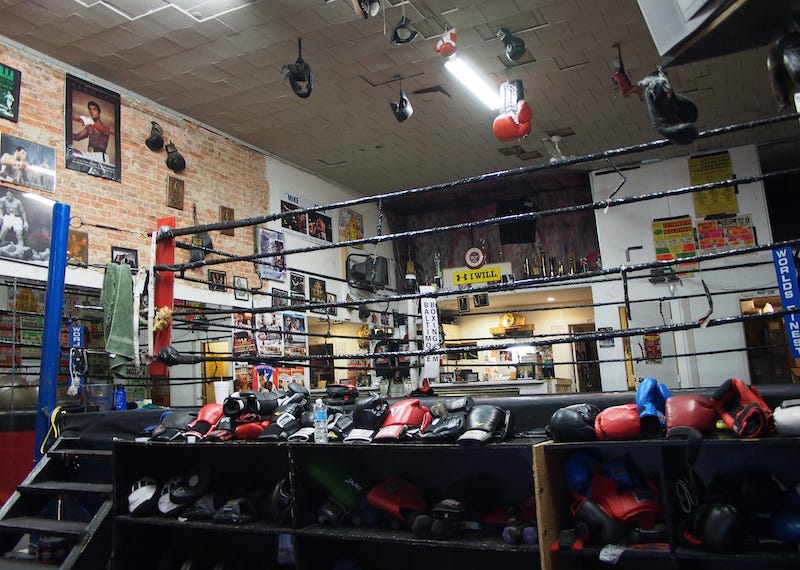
column 226, row 215
column 217, row 280
column 351, row 226
column 270, row 266
column 319, row 226
column 92, row 129
column 297, row 283
column 125, row 255
column 331, row 298
column 317, row 294
column 27, row 163
column 175, row 193
column 25, row 226
column 10, row 80
column 280, row 298
column 241, row 292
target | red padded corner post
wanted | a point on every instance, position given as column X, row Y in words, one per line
column 164, row 295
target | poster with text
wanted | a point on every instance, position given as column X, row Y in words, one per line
column 351, row 226
column 727, row 233
column 317, row 226
column 708, row 168
column 673, row 239
column 10, row 80
column 294, row 334
column 92, row 129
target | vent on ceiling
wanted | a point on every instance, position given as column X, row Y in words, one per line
column 519, row 152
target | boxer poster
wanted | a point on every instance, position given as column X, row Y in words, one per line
column 92, row 129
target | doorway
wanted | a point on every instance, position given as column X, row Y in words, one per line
column 321, row 368
column 587, row 368
column 768, row 357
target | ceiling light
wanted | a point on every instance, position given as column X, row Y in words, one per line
column 551, row 299
column 474, row 82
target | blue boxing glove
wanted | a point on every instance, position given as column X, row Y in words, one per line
column 651, row 398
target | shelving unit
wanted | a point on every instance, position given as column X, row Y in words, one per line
column 663, row 461
column 503, row 470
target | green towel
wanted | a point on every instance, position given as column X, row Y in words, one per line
column 116, row 298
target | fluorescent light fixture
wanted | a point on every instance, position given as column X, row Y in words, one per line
column 474, row 82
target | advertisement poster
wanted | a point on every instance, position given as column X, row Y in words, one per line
column 270, row 266
column 652, row 348
column 269, row 335
column 713, row 168
column 27, row 163
column 673, row 239
column 92, row 129
column 10, row 80
column 244, row 344
column 725, row 233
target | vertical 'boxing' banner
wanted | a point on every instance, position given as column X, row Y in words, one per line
column 430, row 333
column 786, row 273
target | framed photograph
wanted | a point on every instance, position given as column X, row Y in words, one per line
column 297, row 300
column 27, row 163
column 174, row 193
column 317, row 294
column 463, row 304
column 297, row 283
column 319, row 226
column 605, row 342
column 446, row 377
column 470, row 376
column 217, row 280
column 92, row 129
column 125, row 255
column 78, row 246
column 295, row 222
column 480, row 300
column 280, row 298
column 270, row 244
column 226, row 215
column 525, row 372
column 25, row 226
column 241, row 291
column 10, row 80
column 331, row 298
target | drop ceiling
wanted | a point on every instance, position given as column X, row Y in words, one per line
column 220, row 63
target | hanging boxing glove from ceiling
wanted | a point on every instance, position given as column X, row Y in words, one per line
column 515, row 120
column 672, row 114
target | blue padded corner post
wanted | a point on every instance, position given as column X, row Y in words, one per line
column 51, row 333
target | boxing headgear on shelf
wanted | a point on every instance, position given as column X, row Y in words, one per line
column 155, row 141
column 299, row 74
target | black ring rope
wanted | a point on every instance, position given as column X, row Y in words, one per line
column 604, row 155
column 599, row 205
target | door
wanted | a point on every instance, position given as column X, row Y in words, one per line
column 587, row 368
column 321, row 368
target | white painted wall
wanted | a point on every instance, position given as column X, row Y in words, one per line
column 630, row 226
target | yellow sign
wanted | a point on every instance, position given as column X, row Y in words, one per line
column 485, row 274
column 713, row 168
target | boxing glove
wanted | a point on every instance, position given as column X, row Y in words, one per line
column 370, row 411
column 513, row 125
column 446, row 45
column 618, row 423
column 689, row 411
column 454, row 405
column 651, row 399
column 485, row 423
column 742, row 409
column 673, row 115
column 594, row 525
column 403, row 415
column 445, row 429
column 787, row 417
column 574, row 423
column 398, row 498
column 715, row 526
column 339, row 426
column 366, row 8
column 207, row 418
column 783, row 65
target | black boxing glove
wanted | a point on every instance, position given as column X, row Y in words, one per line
column 574, row 423
column 370, row 411
column 445, row 429
column 719, row 527
column 673, row 115
column 594, row 524
column 454, row 405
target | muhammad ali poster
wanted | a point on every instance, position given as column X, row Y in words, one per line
column 27, row 220
column 10, row 80
column 92, row 129
column 27, row 163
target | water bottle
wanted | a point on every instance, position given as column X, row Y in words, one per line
column 120, row 398
column 320, row 422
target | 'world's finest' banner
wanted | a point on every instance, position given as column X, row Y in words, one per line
column 786, row 274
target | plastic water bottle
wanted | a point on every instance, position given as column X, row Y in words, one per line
column 320, row 422
column 120, row 397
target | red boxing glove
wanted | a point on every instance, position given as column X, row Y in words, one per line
column 515, row 124
column 404, row 414
column 689, row 411
column 207, row 418
column 446, row 46
column 618, row 423
column 742, row 409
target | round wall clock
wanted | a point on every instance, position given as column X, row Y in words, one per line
column 474, row 257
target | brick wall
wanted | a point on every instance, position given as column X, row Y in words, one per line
column 219, row 171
